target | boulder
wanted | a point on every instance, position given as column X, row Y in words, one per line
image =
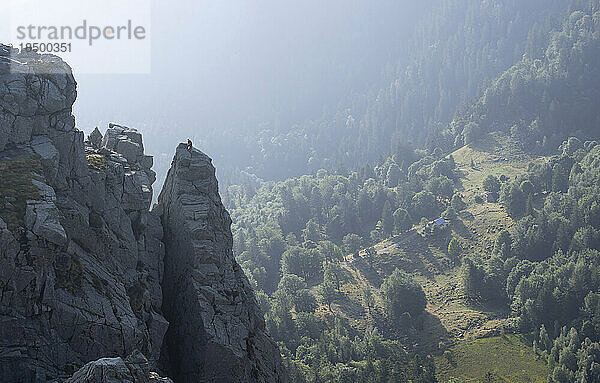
column 95, row 138
column 134, row 369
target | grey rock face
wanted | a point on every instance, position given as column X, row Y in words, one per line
column 80, row 279
column 217, row 331
column 83, row 269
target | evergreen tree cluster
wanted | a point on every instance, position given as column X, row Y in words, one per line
column 542, row 99
column 547, row 270
column 292, row 239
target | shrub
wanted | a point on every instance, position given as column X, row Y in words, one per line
column 491, row 184
column 401, row 294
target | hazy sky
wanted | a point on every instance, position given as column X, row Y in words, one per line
column 230, row 68
column 216, row 64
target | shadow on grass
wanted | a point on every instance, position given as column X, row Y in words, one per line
column 422, row 334
column 350, row 307
column 486, row 144
column 459, row 227
column 367, row 271
column 467, row 215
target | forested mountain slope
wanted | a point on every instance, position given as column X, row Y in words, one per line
column 458, row 49
column 518, row 257
column 542, row 100
column 545, row 268
column 313, row 248
column 297, row 239
column 354, row 266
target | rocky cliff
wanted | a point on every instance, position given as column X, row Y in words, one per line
column 216, row 326
column 83, row 267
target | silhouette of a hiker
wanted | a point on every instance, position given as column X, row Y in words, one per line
column 189, row 145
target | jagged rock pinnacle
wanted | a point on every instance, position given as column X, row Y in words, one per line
column 217, row 331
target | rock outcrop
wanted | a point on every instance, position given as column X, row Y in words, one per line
column 133, row 369
column 82, row 258
column 217, row 332
column 81, row 265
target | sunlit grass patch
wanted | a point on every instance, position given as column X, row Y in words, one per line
column 507, row 359
column 97, row 161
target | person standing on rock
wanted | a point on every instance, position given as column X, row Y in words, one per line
column 189, row 145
